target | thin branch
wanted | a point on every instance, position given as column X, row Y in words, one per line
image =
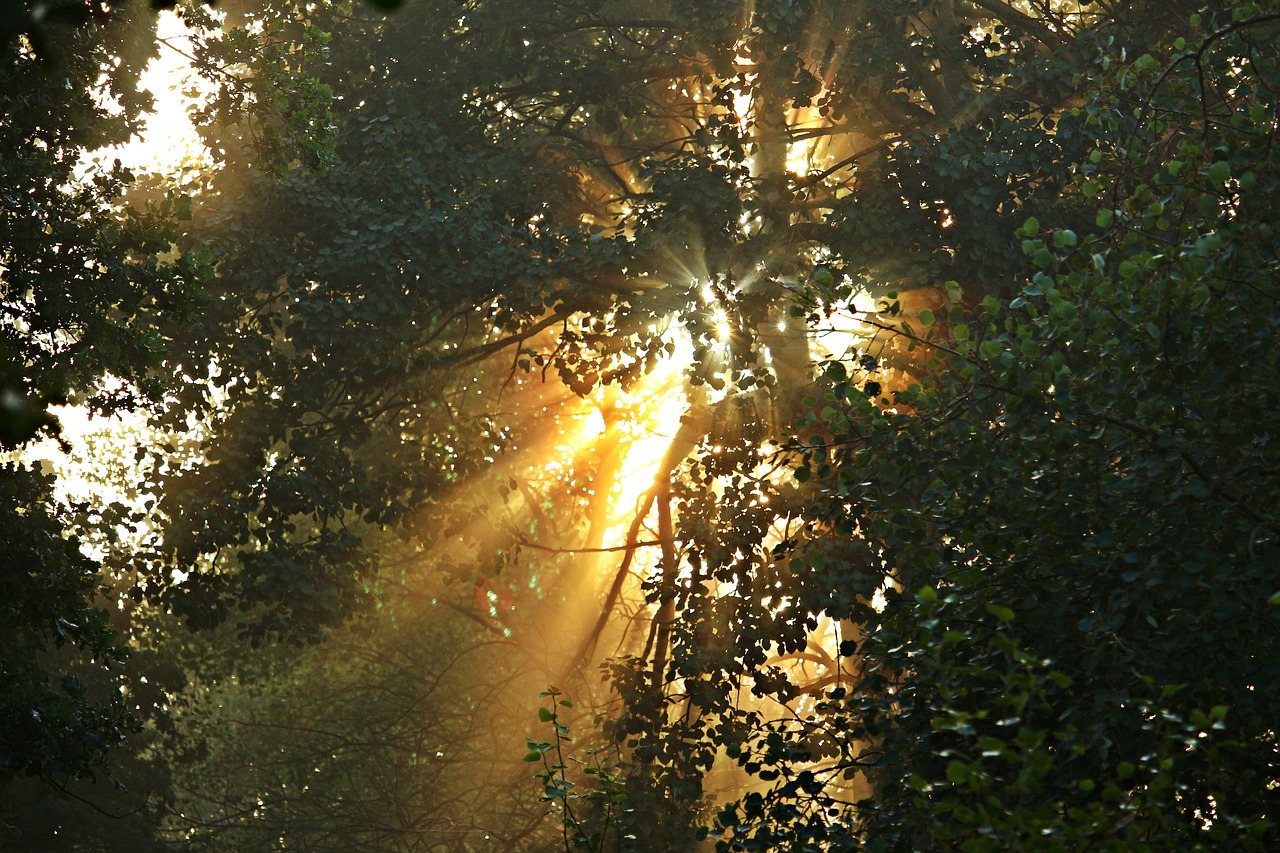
column 810, row 180
column 612, row 549
column 66, row 790
column 667, row 609
column 480, row 353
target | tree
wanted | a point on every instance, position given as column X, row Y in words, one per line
column 1013, row 533
column 1087, row 646
column 402, row 734
column 1060, row 607
column 355, row 299
column 84, row 280
column 429, row 230
column 878, row 536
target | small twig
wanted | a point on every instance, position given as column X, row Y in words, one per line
column 611, row 549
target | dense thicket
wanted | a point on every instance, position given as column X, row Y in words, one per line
column 989, row 567
column 84, row 281
column 1077, row 646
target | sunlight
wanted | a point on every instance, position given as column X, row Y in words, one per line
column 170, row 143
column 803, row 151
column 649, row 416
column 646, row 418
column 846, row 330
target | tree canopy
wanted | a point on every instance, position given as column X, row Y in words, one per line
column 954, row 319
column 85, row 284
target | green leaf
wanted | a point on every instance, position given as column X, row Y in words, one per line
column 1039, row 761
column 1146, row 63
column 1004, row 614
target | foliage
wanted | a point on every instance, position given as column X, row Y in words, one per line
column 1076, row 647
column 603, row 799
column 84, row 282
column 353, row 304
column 995, row 442
column 986, row 569
column 43, row 24
column 48, row 595
column 1031, row 513
column 85, row 278
column 398, row 735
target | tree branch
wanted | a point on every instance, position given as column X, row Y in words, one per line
column 1022, row 21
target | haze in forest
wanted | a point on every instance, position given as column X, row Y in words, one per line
column 603, row 425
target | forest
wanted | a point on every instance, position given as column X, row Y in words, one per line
column 641, row 425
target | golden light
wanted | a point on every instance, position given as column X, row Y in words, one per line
column 802, row 151
column 649, row 416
